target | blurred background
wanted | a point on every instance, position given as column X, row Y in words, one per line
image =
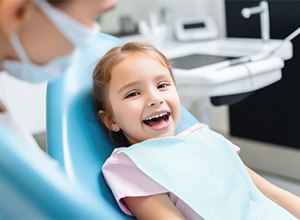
column 265, row 125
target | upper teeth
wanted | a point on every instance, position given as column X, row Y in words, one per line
column 156, row 116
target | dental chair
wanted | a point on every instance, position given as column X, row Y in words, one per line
column 32, row 186
column 75, row 137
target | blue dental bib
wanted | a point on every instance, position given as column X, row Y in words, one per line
column 204, row 171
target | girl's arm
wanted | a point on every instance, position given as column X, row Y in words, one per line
column 285, row 199
column 153, row 207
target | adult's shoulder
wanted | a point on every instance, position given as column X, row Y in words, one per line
column 92, row 53
column 109, row 40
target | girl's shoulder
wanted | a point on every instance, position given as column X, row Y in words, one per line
column 117, row 159
column 194, row 128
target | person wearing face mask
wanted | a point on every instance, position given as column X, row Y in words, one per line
column 39, row 41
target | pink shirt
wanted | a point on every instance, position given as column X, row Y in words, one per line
column 126, row 180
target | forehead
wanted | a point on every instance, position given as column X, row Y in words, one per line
column 140, row 64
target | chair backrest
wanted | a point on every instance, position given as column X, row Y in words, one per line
column 33, row 187
column 75, row 137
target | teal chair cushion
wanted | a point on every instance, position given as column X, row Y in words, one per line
column 33, row 187
column 75, row 137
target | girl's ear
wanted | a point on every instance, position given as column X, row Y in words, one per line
column 13, row 14
column 107, row 120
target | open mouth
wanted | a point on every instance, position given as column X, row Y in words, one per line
column 157, row 120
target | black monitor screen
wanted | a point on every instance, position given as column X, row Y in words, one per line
column 197, row 60
column 194, row 25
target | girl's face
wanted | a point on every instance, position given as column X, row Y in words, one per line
column 143, row 98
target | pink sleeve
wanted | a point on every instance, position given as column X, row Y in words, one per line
column 236, row 148
column 125, row 179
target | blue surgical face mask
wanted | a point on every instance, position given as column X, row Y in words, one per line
column 78, row 34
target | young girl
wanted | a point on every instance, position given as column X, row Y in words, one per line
column 138, row 103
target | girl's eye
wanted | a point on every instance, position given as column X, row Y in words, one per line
column 132, row 94
column 163, row 85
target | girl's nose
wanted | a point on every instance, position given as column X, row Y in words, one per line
column 154, row 99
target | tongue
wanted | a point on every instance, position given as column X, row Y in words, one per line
column 155, row 122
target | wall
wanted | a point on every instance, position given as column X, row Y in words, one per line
column 270, row 116
column 274, row 111
column 26, row 102
column 140, row 9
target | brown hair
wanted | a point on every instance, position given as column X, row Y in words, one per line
column 102, row 76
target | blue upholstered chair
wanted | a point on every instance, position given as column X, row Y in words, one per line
column 74, row 135
column 33, row 187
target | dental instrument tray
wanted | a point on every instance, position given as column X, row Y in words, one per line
column 200, row 28
column 193, row 61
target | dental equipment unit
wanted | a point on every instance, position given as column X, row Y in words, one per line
column 263, row 55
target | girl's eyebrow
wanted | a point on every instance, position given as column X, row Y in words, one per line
column 163, row 76
column 128, row 85
column 136, row 83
